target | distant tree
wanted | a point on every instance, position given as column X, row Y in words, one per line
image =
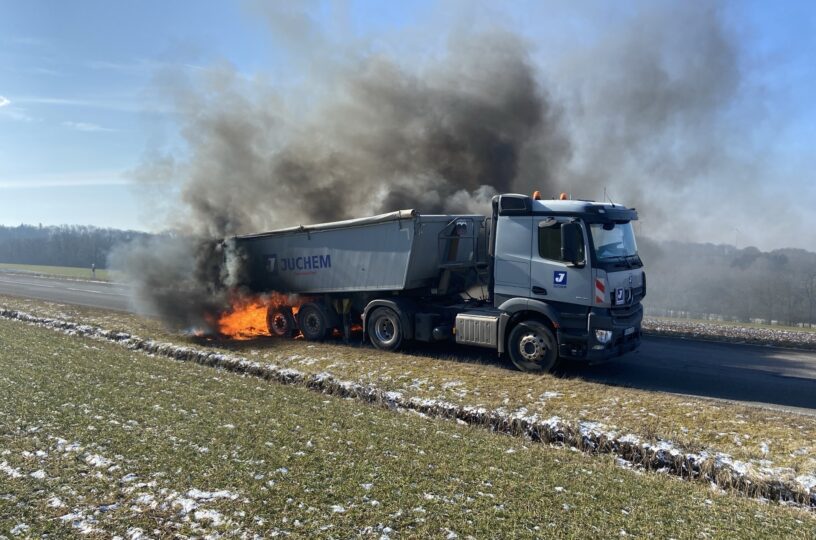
column 705, row 280
column 65, row 245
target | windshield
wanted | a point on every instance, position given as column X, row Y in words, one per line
column 613, row 240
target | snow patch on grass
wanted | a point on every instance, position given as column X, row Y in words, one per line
column 591, row 437
column 211, row 495
column 95, row 460
column 10, row 471
column 209, row 516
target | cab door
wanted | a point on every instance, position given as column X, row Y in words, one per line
column 553, row 279
column 512, row 258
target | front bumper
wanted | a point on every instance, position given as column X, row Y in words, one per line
column 625, row 325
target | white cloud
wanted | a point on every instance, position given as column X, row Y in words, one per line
column 123, row 103
column 70, row 179
column 13, row 112
column 86, row 126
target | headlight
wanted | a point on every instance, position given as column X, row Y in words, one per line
column 603, row 336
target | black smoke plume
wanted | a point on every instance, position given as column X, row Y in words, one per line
column 642, row 110
column 385, row 138
column 444, row 139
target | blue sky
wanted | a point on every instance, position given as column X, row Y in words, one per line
column 78, row 107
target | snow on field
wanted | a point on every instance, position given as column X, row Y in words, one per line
column 84, row 524
column 587, row 436
column 199, row 495
column 135, row 533
column 55, row 502
column 807, row 481
column 10, row 471
column 19, row 529
column 185, row 505
column 96, row 460
column 146, row 499
column 211, row 516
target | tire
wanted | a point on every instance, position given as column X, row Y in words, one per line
column 313, row 322
column 280, row 321
column 385, row 329
column 532, row 347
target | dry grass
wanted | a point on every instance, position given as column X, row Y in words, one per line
column 62, row 271
column 119, row 441
column 760, row 436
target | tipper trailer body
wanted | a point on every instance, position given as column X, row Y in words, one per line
column 543, row 281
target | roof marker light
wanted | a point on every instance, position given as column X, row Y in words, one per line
column 563, row 197
column 536, row 195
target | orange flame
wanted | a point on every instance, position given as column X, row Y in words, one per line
column 246, row 318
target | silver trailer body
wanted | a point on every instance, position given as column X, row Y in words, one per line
column 391, row 252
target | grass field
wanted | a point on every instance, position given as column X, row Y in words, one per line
column 759, row 436
column 96, row 437
column 63, row 271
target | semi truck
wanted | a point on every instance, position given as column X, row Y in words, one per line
column 542, row 281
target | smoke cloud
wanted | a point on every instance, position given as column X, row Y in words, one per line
column 185, row 280
column 642, row 109
column 650, row 109
column 385, row 138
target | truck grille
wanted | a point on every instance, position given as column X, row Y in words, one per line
column 627, row 315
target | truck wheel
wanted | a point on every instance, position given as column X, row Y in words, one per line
column 313, row 322
column 533, row 347
column 385, row 329
column 280, row 321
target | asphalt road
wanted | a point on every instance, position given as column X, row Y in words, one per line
column 69, row 291
column 781, row 378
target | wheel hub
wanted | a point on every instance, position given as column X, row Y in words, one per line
column 312, row 322
column 384, row 329
column 532, row 347
column 280, row 322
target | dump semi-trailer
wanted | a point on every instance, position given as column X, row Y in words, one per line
column 541, row 280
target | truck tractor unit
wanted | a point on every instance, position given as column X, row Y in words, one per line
column 544, row 281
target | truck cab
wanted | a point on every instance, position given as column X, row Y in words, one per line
column 567, row 280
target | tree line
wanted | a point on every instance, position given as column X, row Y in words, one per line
column 721, row 281
column 65, row 245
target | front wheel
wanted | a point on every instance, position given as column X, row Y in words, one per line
column 385, row 329
column 533, row 347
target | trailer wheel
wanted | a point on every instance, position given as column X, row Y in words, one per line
column 533, row 347
column 280, row 321
column 313, row 322
column 385, row 329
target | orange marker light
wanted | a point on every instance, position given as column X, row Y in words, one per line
column 536, row 195
column 563, row 197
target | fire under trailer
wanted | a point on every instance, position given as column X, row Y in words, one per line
column 543, row 281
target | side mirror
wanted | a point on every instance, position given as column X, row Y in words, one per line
column 570, row 235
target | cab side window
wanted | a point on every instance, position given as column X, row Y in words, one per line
column 549, row 243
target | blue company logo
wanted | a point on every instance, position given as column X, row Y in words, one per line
column 309, row 263
column 619, row 296
column 559, row 278
column 272, row 264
